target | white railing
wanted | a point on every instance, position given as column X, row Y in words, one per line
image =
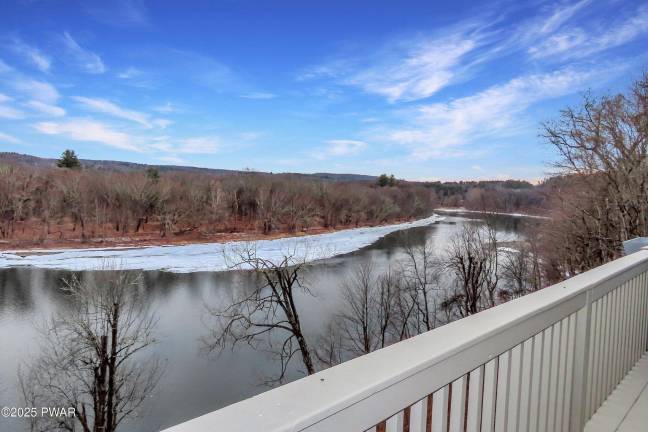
column 543, row 362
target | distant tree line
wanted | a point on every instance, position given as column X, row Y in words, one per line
column 39, row 204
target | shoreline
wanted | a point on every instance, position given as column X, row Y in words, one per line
column 126, row 243
column 465, row 210
column 199, row 257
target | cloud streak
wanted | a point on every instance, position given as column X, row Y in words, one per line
column 407, row 70
column 258, row 95
column 8, row 138
column 340, row 148
column 33, row 55
column 38, row 90
column 88, row 61
column 7, row 111
column 578, row 42
column 106, row 107
column 44, row 108
column 80, row 129
column 441, row 129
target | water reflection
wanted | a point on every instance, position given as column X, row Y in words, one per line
column 193, row 383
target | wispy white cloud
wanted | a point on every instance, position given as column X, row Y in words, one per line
column 424, row 70
column 175, row 160
column 81, row 129
column 250, row 136
column 44, row 108
column 129, row 73
column 8, row 138
column 198, row 145
column 38, row 90
column 33, row 55
column 7, row 111
column 191, row 145
column 407, row 70
column 4, row 67
column 166, row 108
column 107, row 107
column 87, row 60
column 119, row 13
column 161, row 123
column 441, row 129
column 339, row 148
column 560, row 15
column 258, row 95
column 578, row 42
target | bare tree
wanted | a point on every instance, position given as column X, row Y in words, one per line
column 517, row 270
column 420, row 272
column 367, row 314
column 367, row 321
column 472, row 258
column 267, row 308
column 601, row 199
column 93, row 356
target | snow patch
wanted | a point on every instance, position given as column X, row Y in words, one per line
column 464, row 210
column 206, row 256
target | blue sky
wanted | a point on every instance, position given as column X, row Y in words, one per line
column 425, row 90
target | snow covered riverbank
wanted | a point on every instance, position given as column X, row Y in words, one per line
column 464, row 210
column 204, row 256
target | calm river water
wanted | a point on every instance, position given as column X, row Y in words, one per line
column 194, row 384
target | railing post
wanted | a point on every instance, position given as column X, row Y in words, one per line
column 581, row 365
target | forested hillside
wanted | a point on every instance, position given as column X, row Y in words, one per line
column 53, row 205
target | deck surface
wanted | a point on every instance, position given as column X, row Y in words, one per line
column 626, row 409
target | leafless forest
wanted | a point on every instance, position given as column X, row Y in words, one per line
column 41, row 206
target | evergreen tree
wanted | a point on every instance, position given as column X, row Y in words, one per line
column 385, row 180
column 153, row 174
column 68, row 159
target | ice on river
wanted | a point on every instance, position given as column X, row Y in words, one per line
column 204, row 256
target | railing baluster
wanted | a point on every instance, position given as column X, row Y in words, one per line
column 644, row 326
column 562, row 373
column 440, row 410
column 629, row 337
column 503, row 381
column 490, row 395
column 604, row 369
column 543, row 411
column 580, row 368
column 641, row 312
column 617, row 340
column 395, row 423
column 418, row 416
column 536, row 381
column 608, row 342
column 458, row 405
column 571, row 351
column 475, row 394
column 553, row 384
column 596, row 353
column 618, row 355
column 525, row 385
column 558, row 377
column 643, row 317
column 513, row 414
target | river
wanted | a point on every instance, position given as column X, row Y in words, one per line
column 194, row 383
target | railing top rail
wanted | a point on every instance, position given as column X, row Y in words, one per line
column 357, row 394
